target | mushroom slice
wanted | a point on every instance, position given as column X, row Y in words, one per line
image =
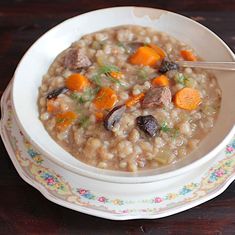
column 167, row 65
column 148, row 124
column 54, row 93
column 114, row 116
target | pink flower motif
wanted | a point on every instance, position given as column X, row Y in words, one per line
column 82, row 191
column 125, row 211
column 219, row 173
column 102, row 199
column 229, row 149
column 50, row 180
column 158, row 200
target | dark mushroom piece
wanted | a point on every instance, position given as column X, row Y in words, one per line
column 148, row 124
column 53, row 94
column 167, row 65
column 114, row 116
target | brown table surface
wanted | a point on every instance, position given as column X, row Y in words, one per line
column 23, row 210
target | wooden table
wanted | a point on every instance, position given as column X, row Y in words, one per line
column 23, row 210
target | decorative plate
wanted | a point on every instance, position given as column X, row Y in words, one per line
column 114, row 201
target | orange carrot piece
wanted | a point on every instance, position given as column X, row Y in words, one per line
column 145, row 56
column 159, row 50
column 76, row 82
column 99, row 116
column 134, row 100
column 64, row 120
column 162, row 80
column 51, row 106
column 105, row 99
column 188, row 55
column 187, row 98
column 116, row 75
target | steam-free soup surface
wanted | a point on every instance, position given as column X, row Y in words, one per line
column 116, row 99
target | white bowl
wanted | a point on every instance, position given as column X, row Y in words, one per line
column 35, row 63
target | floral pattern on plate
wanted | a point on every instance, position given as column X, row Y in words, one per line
column 35, row 167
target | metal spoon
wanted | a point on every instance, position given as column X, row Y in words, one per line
column 208, row 65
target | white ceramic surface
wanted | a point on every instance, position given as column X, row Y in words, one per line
column 34, row 64
column 112, row 200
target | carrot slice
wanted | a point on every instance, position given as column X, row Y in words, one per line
column 76, row 82
column 99, row 116
column 187, row 98
column 161, row 81
column 145, row 56
column 52, row 107
column 105, row 99
column 159, row 50
column 134, row 100
column 188, row 55
column 64, row 120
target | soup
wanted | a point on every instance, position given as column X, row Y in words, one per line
column 116, row 99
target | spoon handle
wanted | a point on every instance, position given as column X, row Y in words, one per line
column 208, row 65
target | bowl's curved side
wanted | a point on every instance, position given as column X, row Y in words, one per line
column 46, row 48
column 198, row 188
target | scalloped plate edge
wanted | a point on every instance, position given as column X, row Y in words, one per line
column 177, row 209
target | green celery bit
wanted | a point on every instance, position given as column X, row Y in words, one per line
column 74, row 97
column 190, row 82
column 60, row 120
column 165, row 127
column 96, row 45
column 87, row 95
column 84, row 121
column 113, row 80
column 96, row 79
column 142, row 73
column 121, row 44
column 108, row 68
column 181, row 79
column 174, row 132
column 90, row 93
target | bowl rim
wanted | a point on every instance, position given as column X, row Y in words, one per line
column 117, row 178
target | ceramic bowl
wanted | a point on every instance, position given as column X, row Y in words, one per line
column 36, row 61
